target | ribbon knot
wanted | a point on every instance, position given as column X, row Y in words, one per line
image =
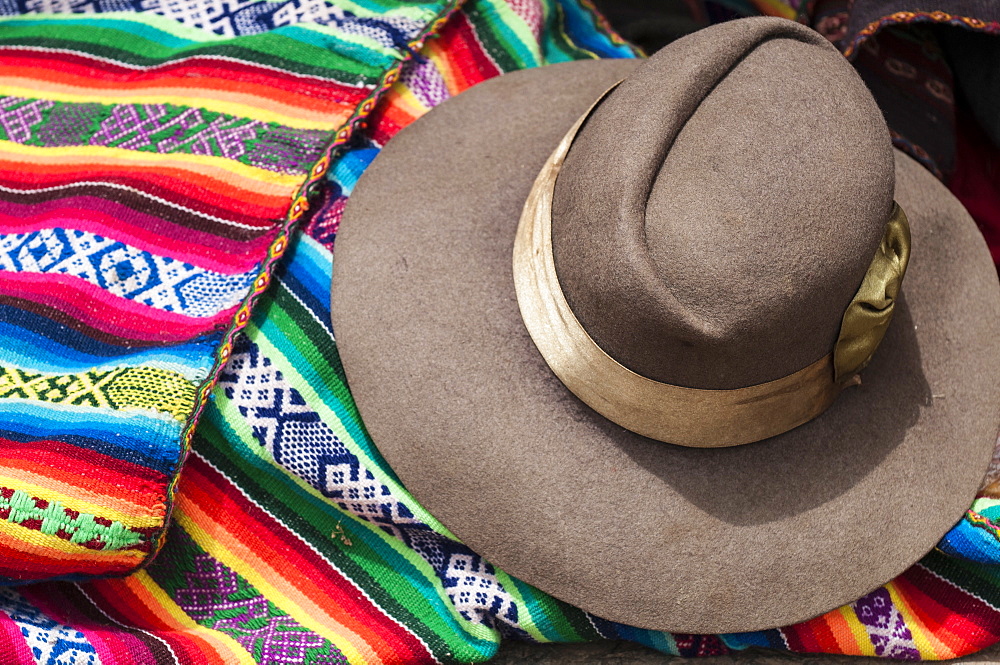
column 868, row 315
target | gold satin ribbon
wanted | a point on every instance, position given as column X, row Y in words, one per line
column 867, row 317
column 676, row 414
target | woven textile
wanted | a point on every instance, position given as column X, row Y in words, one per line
column 292, row 541
column 289, row 543
column 151, row 165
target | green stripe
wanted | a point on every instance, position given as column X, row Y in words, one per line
column 178, row 557
column 274, row 49
column 419, row 604
column 557, row 621
column 505, row 46
column 312, row 355
column 296, row 336
column 974, row 578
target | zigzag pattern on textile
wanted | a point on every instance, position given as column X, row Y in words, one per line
column 300, row 442
column 121, row 388
column 149, row 172
column 124, row 271
column 161, row 128
column 54, row 519
column 241, row 17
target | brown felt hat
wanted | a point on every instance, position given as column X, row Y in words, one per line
column 512, row 319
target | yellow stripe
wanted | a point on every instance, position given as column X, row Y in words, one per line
column 43, row 545
column 280, row 183
column 347, row 641
column 865, row 646
column 147, row 591
column 775, row 8
column 400, row 97
column 437, row 54
column 79, row 498
column 921, row 637
column 262, row 109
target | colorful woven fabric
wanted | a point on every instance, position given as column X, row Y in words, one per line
column 292, row 541
column 151, row 166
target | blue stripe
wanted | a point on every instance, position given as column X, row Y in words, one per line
column 135, row 436
column 32, row 341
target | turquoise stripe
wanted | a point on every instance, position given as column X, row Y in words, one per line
column 580, row 28
column 312, row 266
column 25, row 349
column 130, row 28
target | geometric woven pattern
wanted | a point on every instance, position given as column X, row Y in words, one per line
column 885, row 626
column 299, row 441
column 124, row 271
column 122, row 388
column 151, row 171
column 51, row 643
column 237, row 17
column 163, row 128
column 217, row 598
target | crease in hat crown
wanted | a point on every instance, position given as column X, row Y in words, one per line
column 711, row 223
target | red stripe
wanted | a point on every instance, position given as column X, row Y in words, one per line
column 110, row 219
column 179, row 186
column 301, row 567
column 30, row 567
column 136, row 473
column 117, row 600
column 960, row 620
column 469, row 63
column 198, row 71
column 117, row 645
column 812, row 636
column 84, row 468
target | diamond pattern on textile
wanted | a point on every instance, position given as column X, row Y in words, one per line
column 69, row 124
column 18, row 116
column 163, row 283
column 161, row 128
column 51, row 643
column 231, row 18
column 217, row 597
column 301, row 443
column 885, row 626
column 135, row 127
column 122, row 388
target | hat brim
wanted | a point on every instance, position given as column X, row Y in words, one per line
column 458, row 399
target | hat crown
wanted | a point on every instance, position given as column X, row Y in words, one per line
column 718, row 211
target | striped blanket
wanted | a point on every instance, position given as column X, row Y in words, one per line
column 172, row 176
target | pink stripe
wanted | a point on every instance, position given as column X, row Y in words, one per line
column 118, row 649
column 13, row 646
column 98, row 309
column 147, row 232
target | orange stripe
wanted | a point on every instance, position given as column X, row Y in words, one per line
column 242, row 178
column 70, row 484
column 201, row 182
column 946, row 644
column 143, row 603
column 27, row 560
column 289, row 580
column 325, row 114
